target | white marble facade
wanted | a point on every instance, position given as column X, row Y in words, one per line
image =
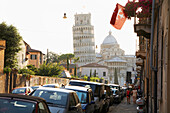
column 114, row 57
column 83, row 39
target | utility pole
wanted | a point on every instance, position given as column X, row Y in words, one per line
column 47, row 57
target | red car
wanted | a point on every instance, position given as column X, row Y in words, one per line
column 22, row 90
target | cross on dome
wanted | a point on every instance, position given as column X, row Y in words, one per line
column 110, row 32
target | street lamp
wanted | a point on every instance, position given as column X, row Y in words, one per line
column 65, row 16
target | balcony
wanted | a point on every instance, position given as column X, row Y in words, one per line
column 142, row 26
column 141, row 11
column 141, row 54
column 138, row 68
column 139, row 62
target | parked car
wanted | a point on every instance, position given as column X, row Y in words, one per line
column 98, row 92
column 35, row 87
column 114, row 86
column 59, row 100
column 116, row 95
column 22, row 90
column 85, row 96
column 51, row 85
column 13, row 103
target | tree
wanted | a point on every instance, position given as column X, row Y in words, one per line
column 115, row 77
column 90, row 72
column 52, row 57
column 94, row 74
column 32, row 68
column 75, row 71
column 51, row 69
column 75, row 68
column 12, row 37
column 67, row 64
column 63, row 58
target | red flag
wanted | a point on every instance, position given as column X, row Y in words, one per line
column 118, row 17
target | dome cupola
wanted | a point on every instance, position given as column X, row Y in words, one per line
column 110, row 39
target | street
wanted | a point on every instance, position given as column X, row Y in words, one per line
column 123, row 107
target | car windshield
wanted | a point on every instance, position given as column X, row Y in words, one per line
column 53, row 86
column 82, row 96
column 34, row 87
column 19, row 90
column 95, row 88
column 16, row 106
column 52, row 97
column 115, row 92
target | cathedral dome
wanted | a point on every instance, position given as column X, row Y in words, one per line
column 110, row 39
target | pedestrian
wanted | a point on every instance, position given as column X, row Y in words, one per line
column 134, row 91
column 128, row 95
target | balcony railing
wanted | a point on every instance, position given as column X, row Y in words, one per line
column 142, row 26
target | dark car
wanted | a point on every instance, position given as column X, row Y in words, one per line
column 35, row 87
column 116, row 95
column 114, row 86
column 85, row 96
column 22, row 90
column 51, row 85
column 59, row 100
column 98, row 92
column 13, row 103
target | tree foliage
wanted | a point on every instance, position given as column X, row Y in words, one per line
column 51, row 69
column 115, row 77
column 63, row 58
column 52, row 57
column 12, row 37
column 32, row 68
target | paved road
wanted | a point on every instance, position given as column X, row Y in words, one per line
column 123, row 107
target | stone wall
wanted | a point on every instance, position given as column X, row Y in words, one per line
column 2, row 49
column 7, row 83
column 2, row 83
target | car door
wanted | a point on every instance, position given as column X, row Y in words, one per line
column 90, row 106
column 72, row 104
column 78, row 104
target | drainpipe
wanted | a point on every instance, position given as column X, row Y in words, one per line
column 155, row 69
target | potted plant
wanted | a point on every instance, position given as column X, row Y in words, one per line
column 130, row 9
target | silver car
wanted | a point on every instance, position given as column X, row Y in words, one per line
column 59, row 100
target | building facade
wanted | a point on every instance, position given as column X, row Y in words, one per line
column 121, row 67
column 83, row 39
column 154, row 53
column 100, row 70
column 21, row 56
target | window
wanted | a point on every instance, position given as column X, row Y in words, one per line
column 33, row 57
column 41, row 108
column 72, row 100
column 104, row 73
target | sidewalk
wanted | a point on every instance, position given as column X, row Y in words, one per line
column 123, row 107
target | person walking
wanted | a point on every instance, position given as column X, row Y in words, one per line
column 128, row 95
column 134, row 94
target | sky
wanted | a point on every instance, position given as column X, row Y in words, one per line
column 41, row 23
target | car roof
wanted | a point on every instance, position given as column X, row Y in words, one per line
column 55, row 89
column 113, row 84
column 78, row 88
column 114, row 89
column 51, row 84
column 87, row 82
column 25, row 97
